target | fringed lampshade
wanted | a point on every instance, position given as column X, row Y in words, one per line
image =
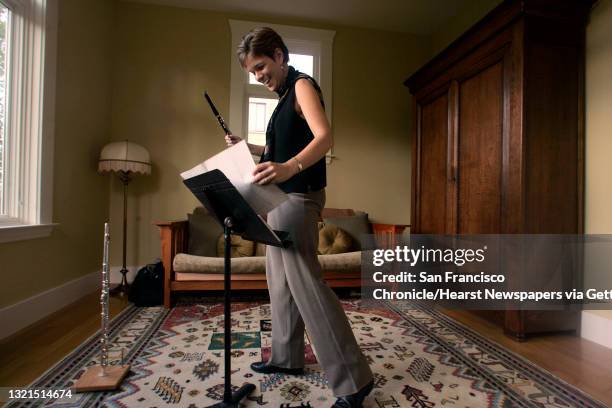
column 125, row 157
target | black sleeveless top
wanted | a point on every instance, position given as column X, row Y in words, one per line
column 288, row 133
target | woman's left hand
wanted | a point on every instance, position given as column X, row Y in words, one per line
column 272, row 172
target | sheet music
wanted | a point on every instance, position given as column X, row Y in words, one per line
column 237, row 164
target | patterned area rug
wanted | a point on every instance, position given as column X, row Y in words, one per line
column 420, row 358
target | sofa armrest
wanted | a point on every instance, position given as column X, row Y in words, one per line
column 174, row 237
column 385, row 233
column 172, row 224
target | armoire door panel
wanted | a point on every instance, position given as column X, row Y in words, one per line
column 554, row 154
column 432, row 146
column 479, row 189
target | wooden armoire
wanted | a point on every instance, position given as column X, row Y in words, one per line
column 498, row 136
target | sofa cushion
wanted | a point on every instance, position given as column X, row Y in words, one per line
column 333, row 240
column 240, row 247
column 357, row 227
column 207, row 264
column 345, row 262
column 185, row 263
column 203, row 233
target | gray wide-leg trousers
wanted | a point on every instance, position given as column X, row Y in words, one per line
column 300, row 298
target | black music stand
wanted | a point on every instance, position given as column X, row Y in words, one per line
column 231, row 210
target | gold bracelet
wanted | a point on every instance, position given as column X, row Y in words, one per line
column 300, row 167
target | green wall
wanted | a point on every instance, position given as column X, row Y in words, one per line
column 467, row 16
column 80, row 195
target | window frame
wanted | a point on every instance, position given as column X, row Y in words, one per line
column 28, row 180
column 299, row 40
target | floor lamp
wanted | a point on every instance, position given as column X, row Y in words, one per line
column 126, row 159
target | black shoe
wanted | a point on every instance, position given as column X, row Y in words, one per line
column 263, row 367
column 354, row 400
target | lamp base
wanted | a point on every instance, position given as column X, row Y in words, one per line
column 123, row 289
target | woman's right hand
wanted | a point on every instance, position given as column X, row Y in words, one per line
column 231, row 140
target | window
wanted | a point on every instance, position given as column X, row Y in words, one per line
column 251, row 104
column 4, row 51
column 257, row 115
column 27, row 86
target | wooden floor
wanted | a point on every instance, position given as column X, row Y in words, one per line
column 581, row 363
column 29, row 353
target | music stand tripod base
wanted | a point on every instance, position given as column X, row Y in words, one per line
column 237, row 396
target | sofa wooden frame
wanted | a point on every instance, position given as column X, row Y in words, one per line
column 175, row 239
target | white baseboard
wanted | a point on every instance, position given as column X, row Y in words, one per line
column 28, row 311
column 596, row 328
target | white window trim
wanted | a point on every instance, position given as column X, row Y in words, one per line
column 299, row 40
column 33, row 69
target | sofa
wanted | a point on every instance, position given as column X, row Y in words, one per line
column 192, row 252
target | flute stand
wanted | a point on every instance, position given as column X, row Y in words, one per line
column 97, row 378
column 103, row 377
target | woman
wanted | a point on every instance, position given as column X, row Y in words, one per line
column 297, row 138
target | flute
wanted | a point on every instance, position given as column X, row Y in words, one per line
column 216, row 113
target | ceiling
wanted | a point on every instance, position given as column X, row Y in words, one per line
column 410, row 16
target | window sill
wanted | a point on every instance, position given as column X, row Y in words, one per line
column 12, row 233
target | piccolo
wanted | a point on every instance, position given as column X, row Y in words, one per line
column 216, row 113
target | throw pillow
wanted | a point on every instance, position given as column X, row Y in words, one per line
column 260, row 249
column 357, row 226
column 240, row 246
column 333, row 240
column 203, row 233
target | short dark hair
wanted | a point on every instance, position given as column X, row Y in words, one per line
column 261, row 41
